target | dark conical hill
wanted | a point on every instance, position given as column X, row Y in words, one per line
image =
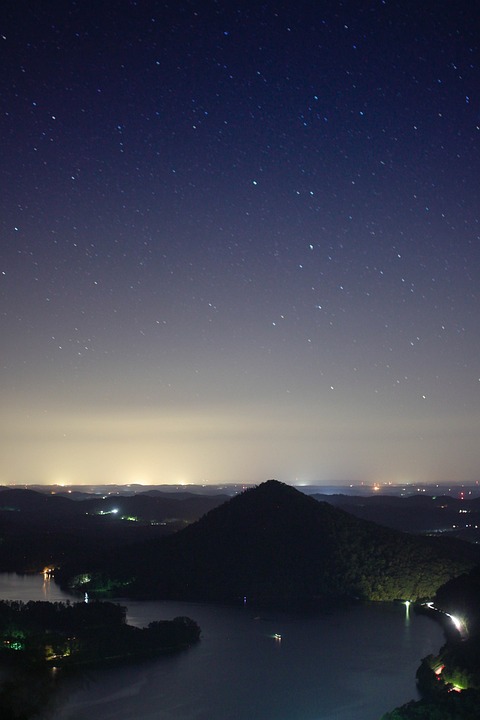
column 273, row 544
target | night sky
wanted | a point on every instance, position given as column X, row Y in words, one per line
column 239, row 240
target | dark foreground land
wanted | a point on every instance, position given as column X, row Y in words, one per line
column 38, row 637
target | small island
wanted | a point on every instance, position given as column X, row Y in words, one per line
column 71, row 634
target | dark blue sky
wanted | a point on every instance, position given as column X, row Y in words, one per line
column 239, row 241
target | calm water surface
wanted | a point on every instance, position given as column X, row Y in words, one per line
column 351, row 664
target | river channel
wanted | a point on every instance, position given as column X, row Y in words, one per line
column 348, row 664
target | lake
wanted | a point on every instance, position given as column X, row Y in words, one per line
column 350, row 664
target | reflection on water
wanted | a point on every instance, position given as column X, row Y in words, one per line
column 40, row 586
column 353, row 664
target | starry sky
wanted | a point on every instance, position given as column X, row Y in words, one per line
column 239, row 240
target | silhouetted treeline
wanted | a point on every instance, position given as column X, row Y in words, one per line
column 451, row 706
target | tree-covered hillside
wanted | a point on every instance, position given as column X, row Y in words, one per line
column 273, row 544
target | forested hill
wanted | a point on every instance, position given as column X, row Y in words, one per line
column 273, row 544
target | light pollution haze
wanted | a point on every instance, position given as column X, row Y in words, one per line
column 240, row 243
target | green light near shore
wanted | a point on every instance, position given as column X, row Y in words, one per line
column 15, row 645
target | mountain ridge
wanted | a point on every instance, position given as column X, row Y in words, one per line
column 274, row 545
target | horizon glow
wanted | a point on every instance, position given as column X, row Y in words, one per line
column 240, row 243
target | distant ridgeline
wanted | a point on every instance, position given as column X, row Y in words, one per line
column 39, row 529
column 64, row 634
column 274, row 545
